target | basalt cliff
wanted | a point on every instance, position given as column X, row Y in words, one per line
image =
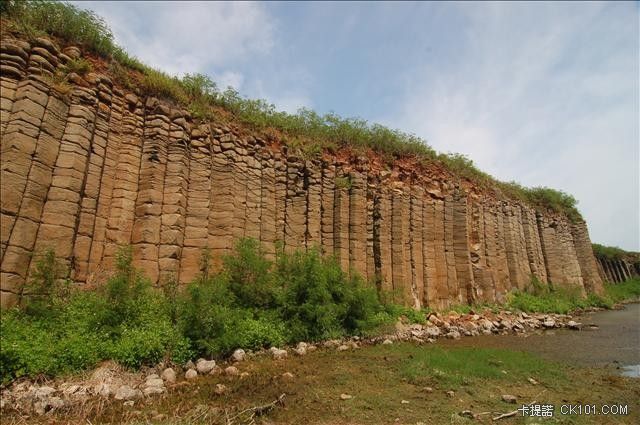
column 99, row 166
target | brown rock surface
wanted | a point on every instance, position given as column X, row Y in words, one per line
column 102, row 167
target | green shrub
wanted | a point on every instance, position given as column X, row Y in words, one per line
column 47, row 287
column 320, row 300
column 126, row 321
column 249, row 276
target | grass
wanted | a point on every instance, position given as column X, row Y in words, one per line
column 306, row 130
column 612, row 252
column 464, row 366
column 378, row 378
column 566, row 299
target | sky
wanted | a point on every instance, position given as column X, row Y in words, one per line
column 546, row 94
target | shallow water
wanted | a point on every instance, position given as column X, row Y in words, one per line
column 614, row 341
column 632, row 371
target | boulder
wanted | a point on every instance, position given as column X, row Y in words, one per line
column 204, row 366
column 126, row 393
column 191, row 374
column 278, row 354
column 239, row 355
column 169, row 375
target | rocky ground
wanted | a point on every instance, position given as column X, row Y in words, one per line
column 112, row 383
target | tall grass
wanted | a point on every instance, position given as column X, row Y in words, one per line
column 306, row 129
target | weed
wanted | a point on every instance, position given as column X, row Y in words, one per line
column 80, row 66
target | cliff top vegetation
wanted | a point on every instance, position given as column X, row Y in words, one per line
column 612, row 252
column 305, row 130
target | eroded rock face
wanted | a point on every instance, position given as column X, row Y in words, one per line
column 101, row 167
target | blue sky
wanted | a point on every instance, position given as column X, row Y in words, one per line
column 541, row 93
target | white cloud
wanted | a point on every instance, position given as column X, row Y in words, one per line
column 230, row 79
column 547, row 95
column 180, row 37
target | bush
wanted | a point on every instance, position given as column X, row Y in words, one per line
column 126, row 320
column 254, row 303
column 320, row 301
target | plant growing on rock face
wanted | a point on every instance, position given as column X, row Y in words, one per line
column 47, row 288
column 80, row 66
column 343, row 182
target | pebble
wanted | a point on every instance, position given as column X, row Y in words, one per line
column 278, row 354
column 345, row 396
column 220, row 389
column 508, row 398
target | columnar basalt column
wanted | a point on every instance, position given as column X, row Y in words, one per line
column 586, row 260
column 268, row 203
column 430, row 292
column 327, row 207
column 416, row 244
column 221, row 202
column 341, row 221
column 93, row 180
column 357, row 224
column 125, row 186
column 176, row 202
column 107, row 181
column 313, row 225
column 145, row 238
column 466, row 284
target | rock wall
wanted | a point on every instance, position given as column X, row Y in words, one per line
column 616, row 270
column 98, row 167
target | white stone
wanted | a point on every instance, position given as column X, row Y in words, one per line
column 239, row 355
column 169, row 375
column 508, row 398
column 278, row 354
column 154, row 382
column 191, row 374
column 387, row 342
column 204, row 366
column 153, row 390
column 125, row 392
